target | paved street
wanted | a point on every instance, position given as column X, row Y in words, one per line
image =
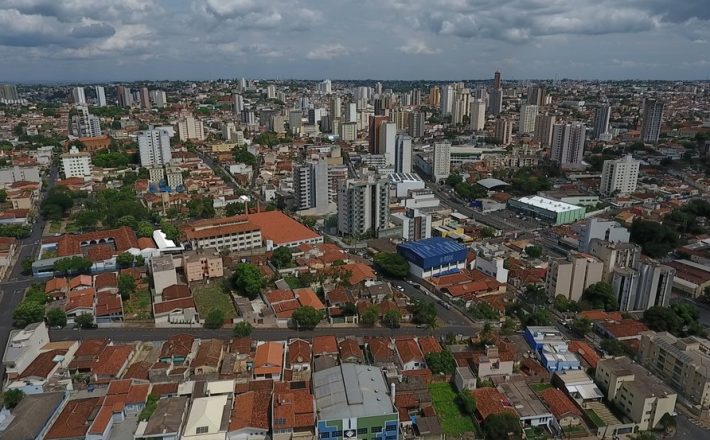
column 12, row 290
column 447, row 316
column 128, row 334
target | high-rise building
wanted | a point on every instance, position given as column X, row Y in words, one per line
column 76, row 163
column 295, row 121
column 478, row 114
column 441, row 161
column 335, row 109
column 496, row 80
column 647, row 285
column 363, row 206
column 447, row 99
column 84, row 124
column 373, row 134
column 154, row 148
column 310, row 185
column 528, row 114
column 434, row 96
column 190, row 128
column 237, row 103
column 77, row 96
column 386, row 143
column 351, row 112
column 495, row 102
column 271, row 91
column 609, row 231
column 651, row 120
column 416, row 224
column 378, row 88
column 461, row 107
column 570, row 276
column 8, row 93
column 248, row 117
column 415, row 97
column 100, row 96
column 348, row 131
column 124, row 96
column 159, row 98
column 601, row 120
column 324, row 87
column 403, row 154
column 620, row 176
column 568, row 144
column 536, row 95
column 417, row 121
column 543, row 129
column 145, row 98
column 504, row 131
column 614, row 256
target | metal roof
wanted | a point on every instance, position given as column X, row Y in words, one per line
column 492, row 183
column 433, row 247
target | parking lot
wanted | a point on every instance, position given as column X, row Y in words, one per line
column 517, row 221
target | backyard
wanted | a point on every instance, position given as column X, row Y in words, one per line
column 137, row 307
column 453, row 422
column 212, row 296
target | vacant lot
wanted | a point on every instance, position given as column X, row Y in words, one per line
column 212, row 296
column 443, row 396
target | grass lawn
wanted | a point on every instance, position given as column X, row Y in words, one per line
column 575, row 431
column 212, row 296
column 598, row 422
column 137, row 307
column 443, row 398
column 536, row 433
column 539, row 387
column 55, row 227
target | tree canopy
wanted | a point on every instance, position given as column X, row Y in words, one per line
column 73, row 265
column 281, row 257
column 247, row 280
column 215, row 318
column 679, row 319
column 56, row 317
column 424, row 312
column 85, row 320
column 502, row 425
column 393, row 264
column 242, row 329
column 442, row 362
column 391, row 319
column 599, row 296
column 307, row 317
column 655, row 239
column 28, row 312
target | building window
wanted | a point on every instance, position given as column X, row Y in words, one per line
column 202, row 430
column 376, row 429
column 361, row 431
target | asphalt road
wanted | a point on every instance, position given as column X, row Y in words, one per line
column 128, row 334
column 12, row 290
column 463, row 209
column 703, row 309
column 448, row 317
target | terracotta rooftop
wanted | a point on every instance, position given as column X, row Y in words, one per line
column 280, row 228
column 560, row 405
column 299, row 352
column 325, row 345
column 490, row 401
column 587, row 353
column 178, row 345
column 105, row 280
column 251, row 410
column 208, row 354
column 350, row 349
column 42, row 365
column 308, row 297
column 175, row 304
column 111, row 360
column 87, row 353
column 269, row 358
column 176, row 291
column 72, row 422
column 625, row 328
column 240, row 345
column 380, row 350
column 122, row 239
column 107, row 304
column 429, row 344
column 218, row 227
column 61, row 284
column 408, row 350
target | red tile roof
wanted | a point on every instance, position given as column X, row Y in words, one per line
column 408, row 350
column 108, row 303
column 269, row 358
column 587, row 353
column 349, row 348
column 209, row 353
column 111, row 360
column 325, row 345
column 280, row 228
column 429, row 344
column 625, row 328
column 308, row 297
column 217, row 227
column 490, row 401
column 176, row 304
column 42, row 365
column 299, row 352
column 72, row 422
column 176, row 291
column 123, row 238
column 178, row 345
column 105, row 280
column 560, row 405
column 380, row 350
column 251, row 410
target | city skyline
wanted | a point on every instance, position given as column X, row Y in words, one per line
column 44, row 41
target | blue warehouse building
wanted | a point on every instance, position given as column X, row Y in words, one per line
column 433, row 256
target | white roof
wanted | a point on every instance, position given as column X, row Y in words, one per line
column 548, row 204
column 206, row 411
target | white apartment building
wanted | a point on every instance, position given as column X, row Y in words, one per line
column 363, row 206
column 190, row 128
column 235, row 233
column 478, row 114
column 403, row 154
column 568, row 144
column 77, row 95
column 76, row 163
column 154, row 147
column 528, row 114
column 620, row 176
column 570, row 276
column 100, row 96
column 441, row 163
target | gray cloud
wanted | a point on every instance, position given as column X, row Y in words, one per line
column 93, row 30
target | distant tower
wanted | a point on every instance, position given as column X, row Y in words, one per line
column 496, row 80
column 568, row 144
column 77, row 95
column 652, row 118
column 100, row 96
column 601, row 120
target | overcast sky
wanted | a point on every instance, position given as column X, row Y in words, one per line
column 103, row 40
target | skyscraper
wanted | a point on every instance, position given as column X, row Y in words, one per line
column 652, row 118
column 495, row 102
column 543, row 129
column 335, row 109
column 77, row 96
column 619, row 176
column 434, row 96
column 237, row 103
column 124, row 96
column 373, row 134
column 271, row 91
column 536, row 95
column 528, row 114
column 154, row 147
column 159, row 98
column 441, row 161
column 190, row 128
column 310, row 185
column 84, row 124
column 447, row 99
column 351, row 112
column 478, row 114
column 145, row 98
column 496, row 80
column 601, row 120
column 8, row 93
column 403, row 154
column 504, row 131
column 568, row 144
column 417, row 121
column 386, row 144
column 363, row 206
column 100, row 96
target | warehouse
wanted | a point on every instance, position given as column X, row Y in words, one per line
column 433, row 256
column 549, row 210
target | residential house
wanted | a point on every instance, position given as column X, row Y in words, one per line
column 250, row 416
column 562, row 408
column 166, row 421
column 178, row 349
column 292, row 413
column 23, row 347
column 528, row 406
column 268, row 360
column 73, row 421
column 298, row 358
column 33, row 416
column 409, row 354
column 350, row 351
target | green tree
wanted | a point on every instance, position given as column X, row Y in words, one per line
column 424, row 312
column 215, row 318
column 600, row 296
column 170, row 230
column 145, row 229
column 581, row 326
column 467, row 403
column 150, row 405
column 73, row 265
column 483, row 311
column 392, row 264
column 533, row 251
column 369, row 317
column 656, row 239
column 242, row 329
column 85, row 320
column 126, row 286
column 236, row 208
column 502, row 425
column 616, row 348
column 241, row 155
column 442, row 362
column 307, row 318
column 281, row 257
column 87, row 220
column 125, row 260
column 247, row 280
column 201, row 207
column 28, row 312
column 3, row 195
column 454, row 179
column 27, row 265
column 392, row 319
column 56, row 317
column 12, row 397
